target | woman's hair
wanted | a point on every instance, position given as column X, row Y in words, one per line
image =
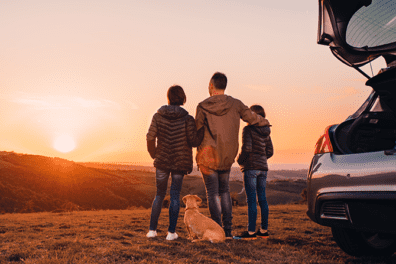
column 258, row 109
column 176, row 95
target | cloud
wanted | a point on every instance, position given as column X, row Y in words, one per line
column 105, row 150
column 130, row 105
column 51, row 102
column 306, row 90
column 87, row 103
column 262, row 88
column 38, row 103
column 345, row 92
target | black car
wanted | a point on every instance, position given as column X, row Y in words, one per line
column 352, row 176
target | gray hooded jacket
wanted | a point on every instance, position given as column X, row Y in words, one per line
column 220, row 115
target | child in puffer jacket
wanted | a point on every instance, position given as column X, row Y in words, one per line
column 256, row 149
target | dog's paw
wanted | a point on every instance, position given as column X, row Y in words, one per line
column 192, row 237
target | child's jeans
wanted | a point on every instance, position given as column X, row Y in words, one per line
column 255, row 182
column 174, row 207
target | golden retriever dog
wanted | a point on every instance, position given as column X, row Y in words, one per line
column 200, row 227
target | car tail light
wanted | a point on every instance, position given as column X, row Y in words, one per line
column 323, row 145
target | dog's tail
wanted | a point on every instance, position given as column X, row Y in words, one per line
column 213, row 236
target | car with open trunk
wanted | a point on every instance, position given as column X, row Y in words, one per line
column 352, row 176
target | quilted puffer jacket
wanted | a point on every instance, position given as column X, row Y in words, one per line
column 170, row 139
column 256, row 148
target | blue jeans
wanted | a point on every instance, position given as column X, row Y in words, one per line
column 219, row 198
column 255, row 182
column 174, row 207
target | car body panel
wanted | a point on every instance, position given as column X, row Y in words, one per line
column 366, row 177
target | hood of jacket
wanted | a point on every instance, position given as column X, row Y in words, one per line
column 172, row 112
column 218, row 104
column 263, row 130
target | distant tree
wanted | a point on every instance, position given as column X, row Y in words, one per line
column 234, row 198
column 166, row 202
column 304, row 196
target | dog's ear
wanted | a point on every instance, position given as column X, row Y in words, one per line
column 199, row 200
column 185, row 199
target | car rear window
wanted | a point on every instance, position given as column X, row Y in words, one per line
column 374, row 25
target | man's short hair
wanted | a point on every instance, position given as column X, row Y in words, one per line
column 258, row 109
column 219, row 80
column 176, row 95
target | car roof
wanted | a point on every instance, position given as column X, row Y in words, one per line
column 359, row 31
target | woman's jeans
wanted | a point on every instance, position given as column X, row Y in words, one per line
column 174, row 207
column 219, row 198
column 255, row 182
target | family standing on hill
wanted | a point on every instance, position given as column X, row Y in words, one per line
column 172, row 135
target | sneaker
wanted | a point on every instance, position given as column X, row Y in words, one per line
column 262, row 235
column 228, row 234
column 171, row 236
column 246, row 236
column 151, row 234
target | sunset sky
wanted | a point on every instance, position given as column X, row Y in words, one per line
column 94, row 72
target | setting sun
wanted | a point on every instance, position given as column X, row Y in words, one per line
column 70, row 69
column 64, row 143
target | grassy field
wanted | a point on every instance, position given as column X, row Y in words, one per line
column 118, row 236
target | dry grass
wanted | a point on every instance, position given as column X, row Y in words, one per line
column 118, row 236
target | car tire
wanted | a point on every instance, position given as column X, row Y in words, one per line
column 357, row 243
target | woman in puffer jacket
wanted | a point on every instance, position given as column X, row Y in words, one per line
column 170, row 139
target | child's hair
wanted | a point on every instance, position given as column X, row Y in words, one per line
column 176, row 95
column 219, row 80
column 258, row 109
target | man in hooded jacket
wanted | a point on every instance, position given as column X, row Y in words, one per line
column 220, row 114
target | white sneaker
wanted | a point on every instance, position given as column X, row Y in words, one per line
column 171, row 236
column 151, row 234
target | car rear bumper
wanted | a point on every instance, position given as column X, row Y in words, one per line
column 355, row 191
column 365, row 211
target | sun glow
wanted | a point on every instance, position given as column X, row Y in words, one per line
column 64, row 143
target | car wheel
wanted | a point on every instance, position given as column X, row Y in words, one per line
column 356, row 243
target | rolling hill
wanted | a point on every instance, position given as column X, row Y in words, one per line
column 35, row 183
column 32, row 183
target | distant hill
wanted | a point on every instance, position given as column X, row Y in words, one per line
column 36, row 183
column 283, row 187
column 235, row 175
column 32, row 183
